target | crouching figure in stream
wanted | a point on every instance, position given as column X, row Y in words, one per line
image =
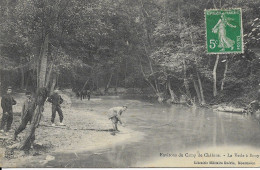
column 114, row 114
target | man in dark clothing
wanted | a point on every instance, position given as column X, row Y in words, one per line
column 56, row 100
column 27, row 113
column 28, row 107
column 7, row 103
column 83, row 94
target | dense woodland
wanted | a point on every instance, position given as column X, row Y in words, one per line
column 156, row 46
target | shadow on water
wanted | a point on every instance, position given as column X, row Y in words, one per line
column 99, row 130
column 167, row 129
column 85, row 129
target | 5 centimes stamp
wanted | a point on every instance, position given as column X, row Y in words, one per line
column 224, row 31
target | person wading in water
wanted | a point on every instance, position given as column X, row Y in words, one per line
column 114, row 114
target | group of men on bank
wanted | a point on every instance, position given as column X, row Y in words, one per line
column 27, row 112
column 83, row 94
column 29, row 106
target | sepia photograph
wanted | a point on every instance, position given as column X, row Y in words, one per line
column 129, row 83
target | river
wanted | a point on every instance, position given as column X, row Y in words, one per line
column 167, row 129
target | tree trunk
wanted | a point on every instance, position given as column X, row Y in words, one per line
column 108, row 84
column 152, row 72
column 27, row 80
column 173, row 95
column 54, row 80
column 214, row 73
column 43, row 66
column 86, row 82
column 155, row 89
column 198, row 76
column 1, row 83
column 57, row 80
column 224, row 76
column 144, row 14
column 37, row 73
column 146, row 79
column 30, row 135
column 186, row 83
column 125, row 71
column 41, row 96
column 93, row 84
column 48, row 76
column 201, row 90
column 97, row 83
column 116, row 83
column 22, row 78
column 196, row 89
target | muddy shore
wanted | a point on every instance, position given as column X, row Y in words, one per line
column 85, row 130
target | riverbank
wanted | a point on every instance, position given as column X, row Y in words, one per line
column 223, row 99
column 88, row 129
column 85, row 130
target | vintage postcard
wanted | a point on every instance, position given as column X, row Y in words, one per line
column 129, row 83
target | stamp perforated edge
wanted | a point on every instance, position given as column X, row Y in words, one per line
column 242, row 34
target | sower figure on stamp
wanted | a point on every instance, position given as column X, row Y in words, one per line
column 220, row 28
column 7, row 106
column 56, row 100
column 114, row 114
column 26, row 114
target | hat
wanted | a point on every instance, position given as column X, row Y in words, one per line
column 9, row 87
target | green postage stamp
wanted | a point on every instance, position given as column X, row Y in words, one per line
column 224, row 31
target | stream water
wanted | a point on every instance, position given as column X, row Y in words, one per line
column 167, row 128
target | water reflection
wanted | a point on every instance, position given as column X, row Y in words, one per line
column 168, row 129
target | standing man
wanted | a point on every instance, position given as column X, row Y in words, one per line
column 27, row 113
column 7, row 106
column 114, row 114
column 56, row 100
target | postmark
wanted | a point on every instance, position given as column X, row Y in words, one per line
column 224, row 31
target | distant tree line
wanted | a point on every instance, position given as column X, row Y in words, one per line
column 154, row 44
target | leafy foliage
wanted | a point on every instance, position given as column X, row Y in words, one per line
column 139, row 43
